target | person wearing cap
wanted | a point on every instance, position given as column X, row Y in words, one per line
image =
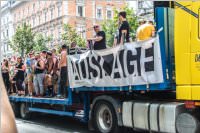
column 124, row 29
column 29, row 72
column 99, row 39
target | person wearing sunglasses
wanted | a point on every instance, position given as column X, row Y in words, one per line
column 99, row 39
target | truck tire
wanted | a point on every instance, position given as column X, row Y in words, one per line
column 15, row 107
column 104, row 118
column 187, row 123
column 24, row 112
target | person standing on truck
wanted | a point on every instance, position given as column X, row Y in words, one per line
column 55, row 72
column 124, row 29
column 48, row 77
column 29, row 72
column 20, row 70
column 39, row 69
column 99, row 39
column 145, row 31
column 63, row 71
column 5, row 68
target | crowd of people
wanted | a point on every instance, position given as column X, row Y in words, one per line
column 41, row 74
column 44, row 74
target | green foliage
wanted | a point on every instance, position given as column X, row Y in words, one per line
column 41, row 42
column 70, row 35
column 22, row 41
column 110, row 27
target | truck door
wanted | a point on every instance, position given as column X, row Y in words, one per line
column 182, row 29
column 195, row 50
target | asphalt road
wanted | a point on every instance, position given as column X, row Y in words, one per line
column 51, row 124
column 41, row 123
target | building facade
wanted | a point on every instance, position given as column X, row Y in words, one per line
column 143, row 8
column 48, row 17
column 6, row 29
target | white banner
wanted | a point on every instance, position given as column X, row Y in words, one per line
column 135, row 63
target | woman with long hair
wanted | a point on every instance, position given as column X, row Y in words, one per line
column 5, row 74
column 20, row 69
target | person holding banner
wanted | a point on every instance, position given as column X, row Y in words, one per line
column 124, row 28
column 99, row 39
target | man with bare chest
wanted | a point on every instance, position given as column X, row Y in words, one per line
column 63, row 71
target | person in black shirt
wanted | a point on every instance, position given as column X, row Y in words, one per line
column 123, row 28
column 20, row 69
column 99, row 39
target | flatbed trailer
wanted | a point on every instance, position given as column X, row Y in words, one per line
column 162, row 108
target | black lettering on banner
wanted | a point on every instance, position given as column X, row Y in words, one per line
column 92, row 68
column 75, row 70
column 121, row 60
column 98, row 64
column 108, row 63
column 116, row 69
column 130, row 58
column 124, row 63
column 149, row 66
column 82, row 69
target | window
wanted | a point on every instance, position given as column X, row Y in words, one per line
column 51, row 13
column 109, row 14
column 14, row 17
column 33, row 21
column 7, row 33
column 140, row 4
column 59, row 33
column 3, row 21
column 28, row 10
column 99, row 13
column 79, row 29
column 80, row 11
column 39, row 19
column 23, row 12
column 45, row 34
column 45, row 16
column 19, row 16
column 80, row 1
column 59, row 11
column 52, row 33
column 34, row 7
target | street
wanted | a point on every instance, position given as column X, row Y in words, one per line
column 52, row 124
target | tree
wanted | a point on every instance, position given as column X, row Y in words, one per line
column 40, row 42
column 70, row 35
column 22, row 41
column 111, row 26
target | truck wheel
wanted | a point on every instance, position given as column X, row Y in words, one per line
column 187, row 123
column 105, row 119
column 24, row 112
column 16, row 110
